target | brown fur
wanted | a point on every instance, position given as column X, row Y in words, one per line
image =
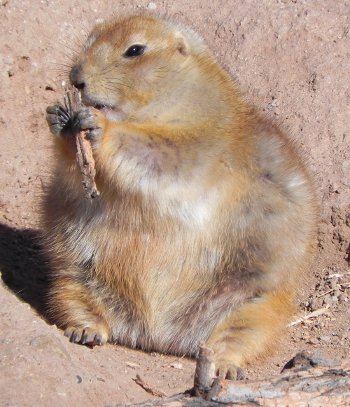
column 206, row 216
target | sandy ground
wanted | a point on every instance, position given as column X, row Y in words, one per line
column 291, row 58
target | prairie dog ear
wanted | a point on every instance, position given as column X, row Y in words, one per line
column 182, row 45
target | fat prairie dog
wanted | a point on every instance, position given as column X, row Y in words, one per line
column 206, row 216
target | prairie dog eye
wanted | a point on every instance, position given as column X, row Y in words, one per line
column 134, row 51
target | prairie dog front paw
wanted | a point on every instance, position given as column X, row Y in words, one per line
column 65, row 123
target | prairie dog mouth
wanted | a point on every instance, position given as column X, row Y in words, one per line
column 112, row 112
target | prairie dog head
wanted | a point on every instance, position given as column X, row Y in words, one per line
column 128, row 63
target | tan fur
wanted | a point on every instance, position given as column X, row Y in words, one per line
column 206, row 216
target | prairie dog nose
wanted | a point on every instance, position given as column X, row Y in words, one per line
column 76, row 77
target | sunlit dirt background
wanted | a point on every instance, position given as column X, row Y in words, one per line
column 291, row 58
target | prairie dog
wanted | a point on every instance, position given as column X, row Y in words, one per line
column 206, row 217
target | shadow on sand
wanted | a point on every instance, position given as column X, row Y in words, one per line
column 23, row 266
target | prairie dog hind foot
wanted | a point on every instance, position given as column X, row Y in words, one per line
column 90, row 336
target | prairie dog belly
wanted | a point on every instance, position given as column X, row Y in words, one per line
column 165, row 301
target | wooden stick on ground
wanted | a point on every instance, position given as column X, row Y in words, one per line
column 308, row 380
column 205, row 371
column 313, row 314
column 148, row 388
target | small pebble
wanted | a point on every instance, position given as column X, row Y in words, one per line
column 132, row 365
column 334, row 299
column 325, row 338
column 315, row 304
column 334, row 283
column 50, row 87
column 8, row 60
column 151, row 6
column 330, row 300
column 176, row 365
column 337, row 293
column 345, row 335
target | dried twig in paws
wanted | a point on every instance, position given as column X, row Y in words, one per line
column 84, row 155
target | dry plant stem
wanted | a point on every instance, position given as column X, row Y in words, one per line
column 86, row 164
column 148, row 388
column 313, row 314
column 205, row 371
column 342, row 285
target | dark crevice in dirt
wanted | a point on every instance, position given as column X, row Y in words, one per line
column 23, row 266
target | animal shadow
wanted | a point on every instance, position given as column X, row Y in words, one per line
column 23, row 267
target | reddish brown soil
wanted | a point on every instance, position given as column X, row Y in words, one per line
column 290, row 57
